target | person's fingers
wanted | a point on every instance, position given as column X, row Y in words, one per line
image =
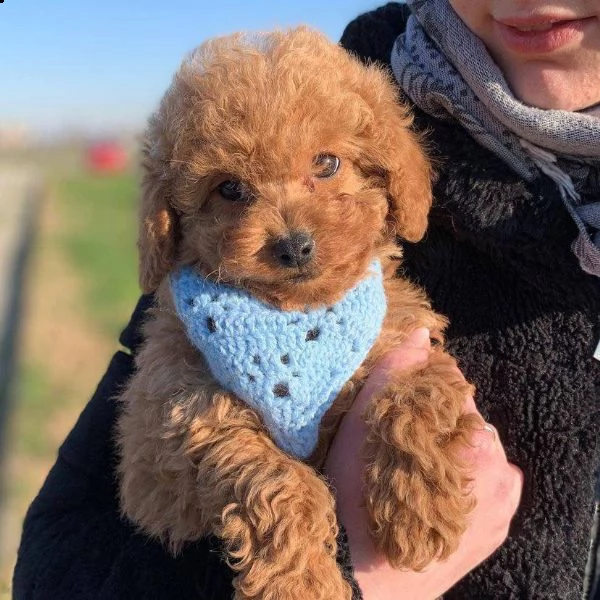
column 484, row 438
column 470, row 406
column 484, row 448
column 352, row 431
column 516, row 489
column 413, row 351
column 489, row 463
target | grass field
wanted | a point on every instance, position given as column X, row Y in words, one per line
column 100, row 244
column 81, row 288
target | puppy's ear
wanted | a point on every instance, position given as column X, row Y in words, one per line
column 397, row 153
column 408, row 175
column 158, row 219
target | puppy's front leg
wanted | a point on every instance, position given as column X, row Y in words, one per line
column 417, row 487
column 275, row 515
column 218, row 470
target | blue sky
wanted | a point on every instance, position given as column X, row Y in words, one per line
column 94, row 65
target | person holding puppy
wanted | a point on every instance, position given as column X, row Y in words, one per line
column 507, row 91
column 510, row 94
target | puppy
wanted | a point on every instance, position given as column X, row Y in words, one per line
column 281, row 166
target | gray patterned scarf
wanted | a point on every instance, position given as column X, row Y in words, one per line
column 446, row 70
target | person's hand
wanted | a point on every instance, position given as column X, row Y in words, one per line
column 496, row 485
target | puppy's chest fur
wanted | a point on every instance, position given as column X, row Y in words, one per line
column 184, row 372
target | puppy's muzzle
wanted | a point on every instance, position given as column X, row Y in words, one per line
column 296, row 250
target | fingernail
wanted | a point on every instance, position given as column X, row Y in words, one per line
column 482, row 438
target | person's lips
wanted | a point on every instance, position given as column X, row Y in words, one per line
column 540, row 35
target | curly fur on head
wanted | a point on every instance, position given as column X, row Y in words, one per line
column 262, row 112
column 259, row 109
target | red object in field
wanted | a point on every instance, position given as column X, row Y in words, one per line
column 107, row 157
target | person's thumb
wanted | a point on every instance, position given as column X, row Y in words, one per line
column 413, row 351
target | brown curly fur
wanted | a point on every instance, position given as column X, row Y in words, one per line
column 194, row 458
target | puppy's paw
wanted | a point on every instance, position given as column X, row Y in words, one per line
column 284, row 543
column 417, row 486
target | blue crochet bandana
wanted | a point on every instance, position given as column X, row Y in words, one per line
column 289, row 366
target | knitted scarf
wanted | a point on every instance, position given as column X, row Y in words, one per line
column 287, row 365
column 446, row 70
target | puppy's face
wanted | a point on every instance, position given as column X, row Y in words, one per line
column 280, row 165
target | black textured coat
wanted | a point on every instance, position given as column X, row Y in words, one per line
column 524, row 324
column 525, row 321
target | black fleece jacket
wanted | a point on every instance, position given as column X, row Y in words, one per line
column 524, row 323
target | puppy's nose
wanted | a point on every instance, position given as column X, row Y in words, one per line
column 294, row 251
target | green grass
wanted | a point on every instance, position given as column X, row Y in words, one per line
column 96, row 235
column 99, row 240
column 38, row 402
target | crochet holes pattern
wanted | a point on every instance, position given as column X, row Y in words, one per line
column 281, row 390
column 256, row 361
column 289, row 367
column 312, row 334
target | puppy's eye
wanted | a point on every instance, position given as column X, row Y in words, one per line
column 234, row 190
column 325, row 165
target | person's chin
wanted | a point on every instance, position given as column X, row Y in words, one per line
column 548, row 87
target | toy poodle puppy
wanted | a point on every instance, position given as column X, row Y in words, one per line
column 279, row 173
